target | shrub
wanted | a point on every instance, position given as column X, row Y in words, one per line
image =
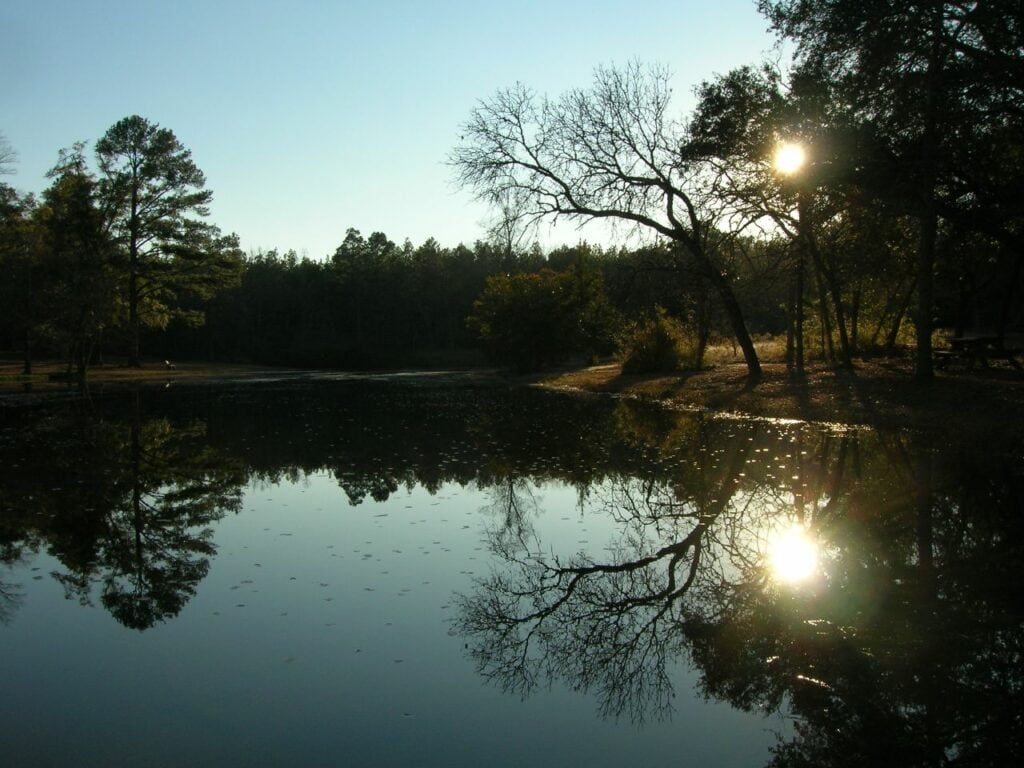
column 533, row 320
column 659, row 344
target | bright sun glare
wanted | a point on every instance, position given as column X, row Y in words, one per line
column 789, row 158
column 793, row 555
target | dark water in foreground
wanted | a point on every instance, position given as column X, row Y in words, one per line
column 415, row 573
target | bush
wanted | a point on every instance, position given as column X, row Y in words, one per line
column 533, row 320
column 660, row 344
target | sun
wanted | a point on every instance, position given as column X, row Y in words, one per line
column 789, row 158
column 792, row 555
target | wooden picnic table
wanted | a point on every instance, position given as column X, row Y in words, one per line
column 978, row 349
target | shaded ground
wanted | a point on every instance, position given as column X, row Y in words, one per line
column 881, row 393
column 48, row 380
column 50, row 376
column 876, row 393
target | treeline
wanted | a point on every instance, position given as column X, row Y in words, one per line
column 373, row 304
column 376, row 304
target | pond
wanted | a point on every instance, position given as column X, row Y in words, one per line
column 421, row 572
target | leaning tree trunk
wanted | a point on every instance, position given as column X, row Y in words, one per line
column 736, row 319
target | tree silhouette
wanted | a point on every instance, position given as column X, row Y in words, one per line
column 612, row 152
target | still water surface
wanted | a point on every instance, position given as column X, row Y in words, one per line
column 411, row 572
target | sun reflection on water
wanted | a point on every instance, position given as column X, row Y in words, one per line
column 792, row 555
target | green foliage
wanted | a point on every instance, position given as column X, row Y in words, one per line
column 155, row 196
column 19, row 267
column 538, row 319
column 660, row 344
column 521, row 320
column 79, row 262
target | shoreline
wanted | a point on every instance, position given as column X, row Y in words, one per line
column 874, row 394
column 880, row 393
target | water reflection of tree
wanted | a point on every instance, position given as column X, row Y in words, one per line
column 510, row 514
column 608, row 626
column 127, row 505
column 10, row 594
column 908, row 652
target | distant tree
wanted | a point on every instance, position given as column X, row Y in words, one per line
column 153, row 193
column 19, row 265
column 361, row 266
column 77, row 259
column 611, row 152
column 7, row 156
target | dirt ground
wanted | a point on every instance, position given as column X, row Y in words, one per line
column 877, row 393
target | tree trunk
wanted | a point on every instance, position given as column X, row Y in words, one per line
column 133, row 276
column 925, row 295
column 823, row 314
column 827, row 284
column 703, row 325
column 800, row 313
column 854, row 322
column 929, row 212
column 26, row 367
column 736, row 319
column 901, row 311
column 133, row 317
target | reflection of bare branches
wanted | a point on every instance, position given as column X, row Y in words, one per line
column 12, row 554
column 690, row 555
column 607, row 627
column 10, row 601
column 512, row 503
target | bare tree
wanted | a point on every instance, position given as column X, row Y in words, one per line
column 8, row 157
column 612, row 152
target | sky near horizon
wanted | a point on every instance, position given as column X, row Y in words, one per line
column 312, row 117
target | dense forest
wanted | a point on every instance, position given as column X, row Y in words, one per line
column 866, row 197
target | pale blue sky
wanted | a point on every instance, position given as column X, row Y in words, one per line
column 312, row 117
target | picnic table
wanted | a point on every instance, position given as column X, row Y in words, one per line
column 977, row 349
